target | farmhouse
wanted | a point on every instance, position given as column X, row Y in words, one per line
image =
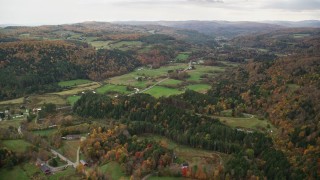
column 184, row 165
column 72, row 137
column 45, row 169
column 83, row 162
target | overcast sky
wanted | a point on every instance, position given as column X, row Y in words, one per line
column 34, row 12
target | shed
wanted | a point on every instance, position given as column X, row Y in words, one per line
column 45, row 169
column 83, row 162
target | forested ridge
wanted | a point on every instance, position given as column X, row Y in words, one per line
column 145, row 114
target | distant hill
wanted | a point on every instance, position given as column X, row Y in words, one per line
column 227, row 28
column 307, row 23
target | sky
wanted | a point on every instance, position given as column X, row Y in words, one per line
column 36, row 12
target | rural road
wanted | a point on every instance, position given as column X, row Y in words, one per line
column 66, row 159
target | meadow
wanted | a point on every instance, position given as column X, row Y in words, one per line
column 112, row 88
column 114, row 170
column 247, row 122
column 24, row 171
column 45, row 132
column 69, row 149
column 144, row 77
column 159, row 91
column 73, row 82
column 16, row 145
column 73, row 99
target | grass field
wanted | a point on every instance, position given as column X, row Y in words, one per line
column 199, row 87
column 122, row 45
column 300, row 35
column 16, row 145
column 13, row 101
column 72, row 99
column 7, row 123
column 24, row 171
column 69, row 149
column 113, row 88
column 247, row 122
column 170, row 82
column 195, row 75
column 101, row 44
column 151, row 76
column 73, row 82
column 79, row 89
column 130, row 78
column 39, row 100
column 159, row 91
column 113, row 169
column 68, row 173
column 182, row 57
column 45, row 132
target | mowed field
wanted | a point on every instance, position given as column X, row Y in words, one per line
column 122, row 45
column 17, row 145
column 14, row 123
column 73, row 82
column 22, row 172
column 144, row 77
column 112, row 88
column 248, row 122
column 45, row 132
column 114, row 170
column 159, row 91
column 69, row 149
column 78, row 89
column 73, row 99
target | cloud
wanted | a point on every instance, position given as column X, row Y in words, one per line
column 294, row 5
column 164, row 2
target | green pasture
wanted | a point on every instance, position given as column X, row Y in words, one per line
column 74, row 82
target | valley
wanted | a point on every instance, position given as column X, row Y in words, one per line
column 154, row 101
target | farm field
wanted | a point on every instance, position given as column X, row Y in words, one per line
column 73, row 82
column 122, row 45
column 250, row 122
column 144, row 77
column 130, row 78
column 113, row 169
column 45, row 132
column 68, row 173
column 22, row 172
column 199, row 87
column 7, row 123
column 101, row 44
column 195, row 75
column 78, row 89
column 16, row 145
column 73, row 99
column 69, row 149
column 13, row 101
column 182, row 56
column 112, row 88
column 171, row 82
column 46, row 98
column 159, row 91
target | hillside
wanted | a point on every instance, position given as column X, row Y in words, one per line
column 187, row 99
